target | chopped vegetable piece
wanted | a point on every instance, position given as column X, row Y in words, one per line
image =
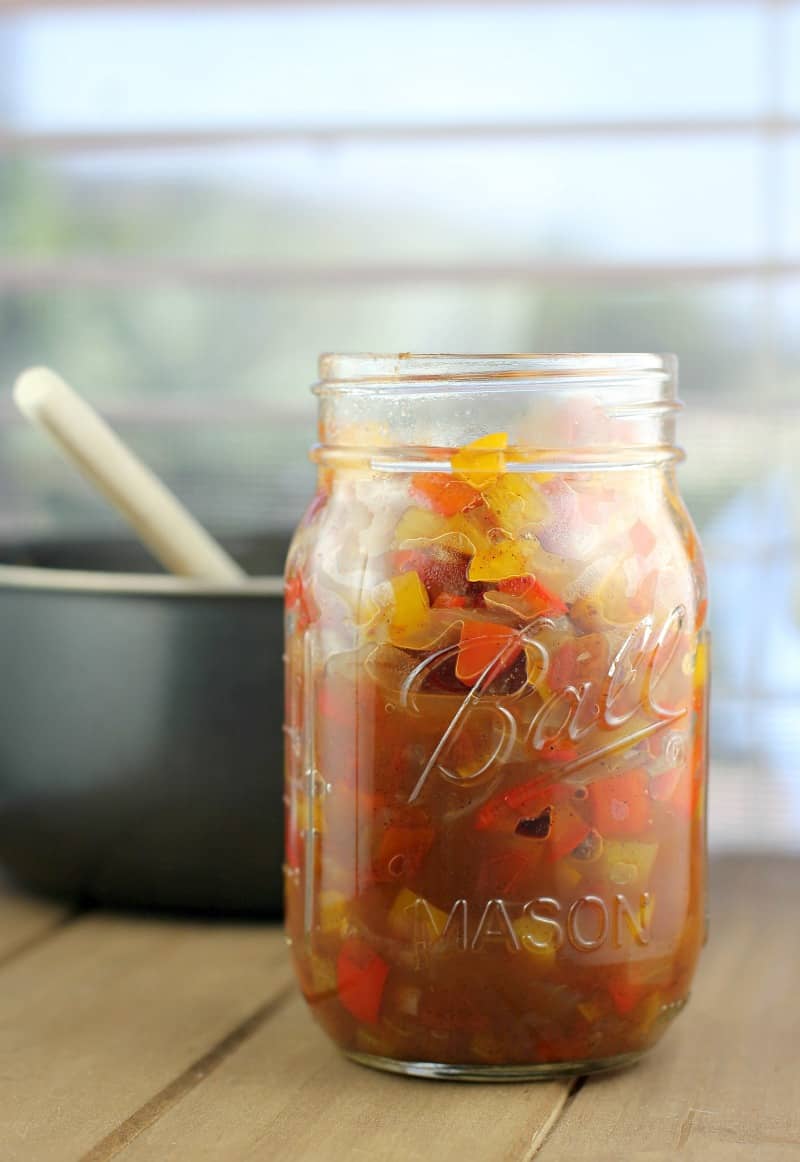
column 515, row 503
column 332, row 908
column 537, row 938
column 411, row 606
column 482, row 461
column 497, row 562
column 625, row 993
column 300, row 601
column 569, row 830
column 591, row 848
column 538, row 828
column 361, row 978
column 629, row 861
column 591, row 1011
column 411, row 914
column 401, row 852
column 442, row 493
column 450, row 601
column 642, row 539
column 483, row 643
column 540, row 600
column 620, row 804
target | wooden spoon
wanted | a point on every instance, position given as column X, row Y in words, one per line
column 161, row 522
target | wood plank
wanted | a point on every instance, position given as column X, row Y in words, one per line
column 725, row 1084
column 288, row 1093
column 111, row 1021
column 25, row 919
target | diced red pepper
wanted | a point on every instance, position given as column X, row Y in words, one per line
column 503, row 811
column 299, row 599
column 442, row 493
column 625, row 994
column 361, row 979
column 540, row 599
column 292, row 842
column 401, row 852
column 642, row 539
column 483, row 643
column 675, row 787
column 620, row 804
column 568, row 829
column 450, row 601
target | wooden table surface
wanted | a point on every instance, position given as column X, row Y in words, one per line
column 145, row 1039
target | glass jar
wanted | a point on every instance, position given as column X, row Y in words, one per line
column 496, row 694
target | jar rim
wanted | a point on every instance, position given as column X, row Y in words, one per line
column 359, row 371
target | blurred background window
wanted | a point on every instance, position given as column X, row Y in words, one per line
column 196, row 200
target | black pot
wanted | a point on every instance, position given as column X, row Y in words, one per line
column 140, row 730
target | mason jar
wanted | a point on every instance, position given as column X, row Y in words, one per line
column 496, row 693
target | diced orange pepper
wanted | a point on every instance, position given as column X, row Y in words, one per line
column 442, row 493
column 483, row 643
column 620, row 804
column 361, row 978
column 401, row 852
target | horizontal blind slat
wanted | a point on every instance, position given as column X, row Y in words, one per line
column 90, row 141
column 56, row 274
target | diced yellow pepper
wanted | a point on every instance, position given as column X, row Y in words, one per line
column 701, row 665
column 497, row 562
column 650, row 1011
column 318, row 817
column 629, row 861
column 591, row 1011
column 323, row 974
column 608, row 603
column 378, row 1042
column 489, row 1048
column 535, row 939
column 411, row 914
column 515, row 503
column 419, row 524
column 411, row 607
column 482, row 461
column 332, row 910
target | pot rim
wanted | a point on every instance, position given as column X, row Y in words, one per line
column 37, row 577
